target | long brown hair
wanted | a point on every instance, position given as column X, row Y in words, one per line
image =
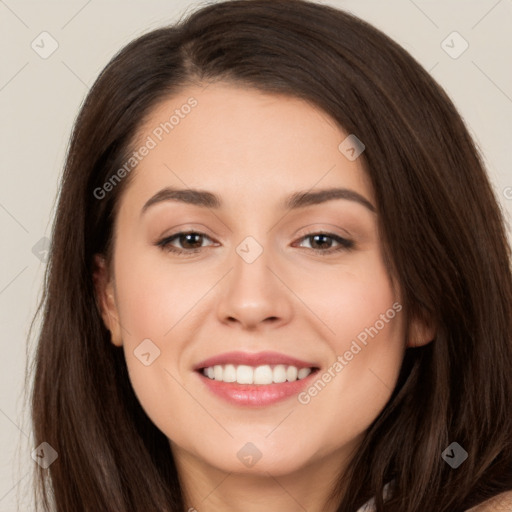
column 441, row 227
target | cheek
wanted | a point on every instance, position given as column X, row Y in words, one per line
column 152, row 347
column 154, row 306
column 365, row 331
column 352, row 298
column 151, row 297
column 371, row 333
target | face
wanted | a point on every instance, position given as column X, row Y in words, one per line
column 292, row 287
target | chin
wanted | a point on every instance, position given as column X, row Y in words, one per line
column 260, row 458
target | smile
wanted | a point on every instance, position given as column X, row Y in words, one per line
column 260, row 375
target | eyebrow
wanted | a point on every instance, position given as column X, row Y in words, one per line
column 296, row 200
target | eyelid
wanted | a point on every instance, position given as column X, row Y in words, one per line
column 165, row 241
column 344, row 244
column 311, row 230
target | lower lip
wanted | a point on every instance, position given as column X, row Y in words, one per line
column 256, row 395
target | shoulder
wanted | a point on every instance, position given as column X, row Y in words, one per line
column 500, row 503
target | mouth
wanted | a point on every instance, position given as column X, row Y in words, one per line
column 262, row 375
column 255, row 380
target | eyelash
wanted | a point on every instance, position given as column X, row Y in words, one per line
column 345, row 244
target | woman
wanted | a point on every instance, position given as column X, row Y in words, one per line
column 279, row 280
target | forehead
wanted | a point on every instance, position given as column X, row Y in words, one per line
column 241, row 142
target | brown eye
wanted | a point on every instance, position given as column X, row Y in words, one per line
column 322, row 243
column 188, row 241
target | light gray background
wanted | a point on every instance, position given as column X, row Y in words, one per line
column 40, row 98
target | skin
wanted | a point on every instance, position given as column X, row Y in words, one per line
column 253, row 150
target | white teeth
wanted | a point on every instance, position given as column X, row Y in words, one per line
column 229, row 373
column 265, row 374
column 303, row 372
column 244, row 374
column 217, row 372
column 280, row 373
column 291, row 373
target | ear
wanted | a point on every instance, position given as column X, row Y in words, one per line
column 421, row 332
column 105, row 298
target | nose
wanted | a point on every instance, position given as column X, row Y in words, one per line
column 254, row 294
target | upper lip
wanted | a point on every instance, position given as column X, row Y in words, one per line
column 253, row 359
